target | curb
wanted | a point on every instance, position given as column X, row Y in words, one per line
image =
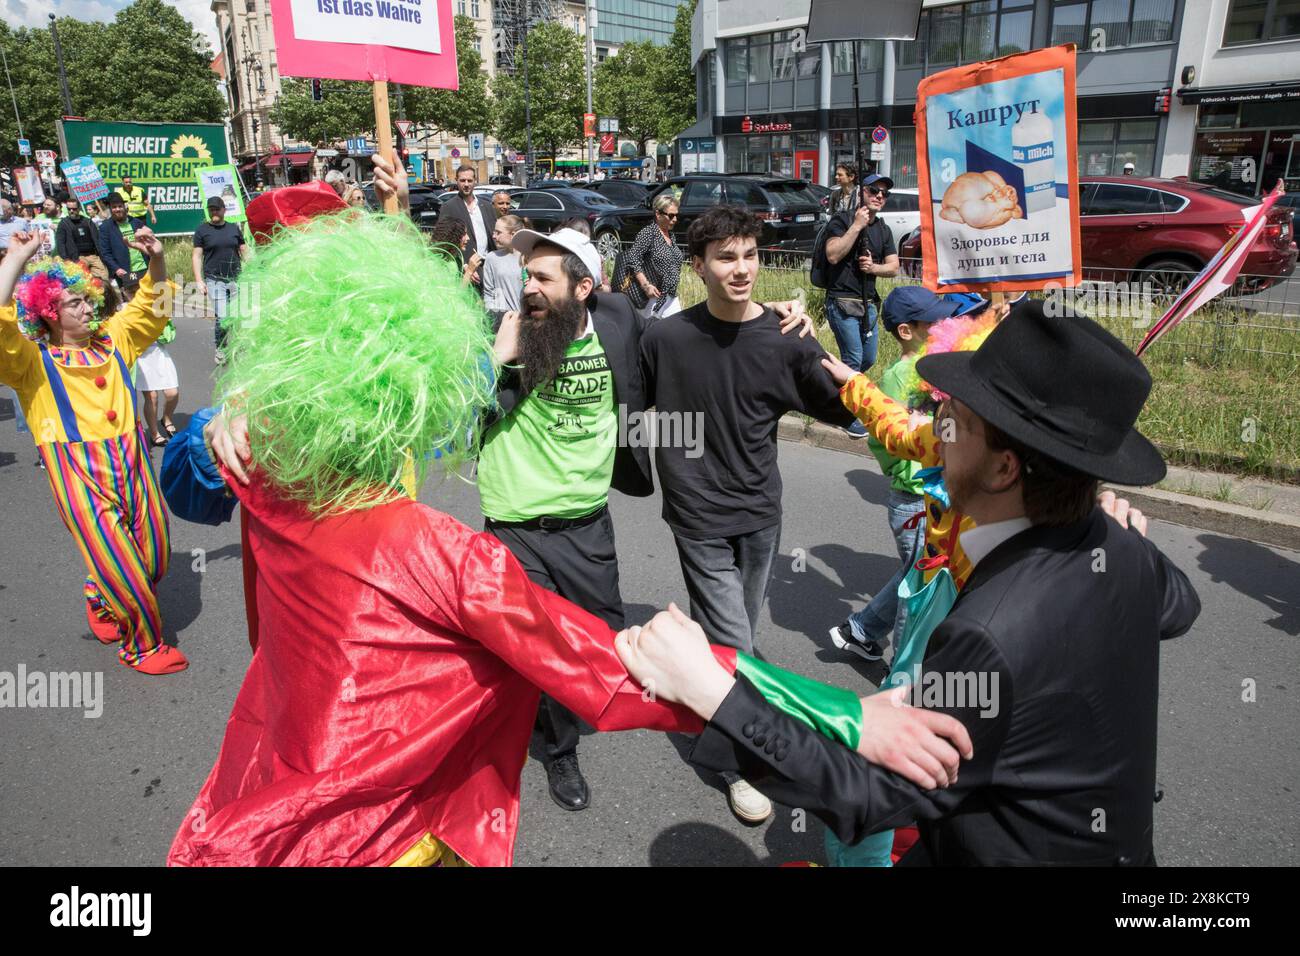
column 1264, row 527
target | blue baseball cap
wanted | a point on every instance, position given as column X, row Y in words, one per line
column 877, row 178
column 913, row 303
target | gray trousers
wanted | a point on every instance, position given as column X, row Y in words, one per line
column 726, row 579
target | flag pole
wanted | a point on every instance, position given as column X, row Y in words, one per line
column 384, row 135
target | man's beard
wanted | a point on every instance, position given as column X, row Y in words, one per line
column 543, row 342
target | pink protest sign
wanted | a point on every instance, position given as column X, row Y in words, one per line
column 401, row 41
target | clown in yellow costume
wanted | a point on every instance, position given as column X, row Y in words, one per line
column 71, row 369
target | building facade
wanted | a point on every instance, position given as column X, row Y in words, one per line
column 252, row 84
column 770, row 102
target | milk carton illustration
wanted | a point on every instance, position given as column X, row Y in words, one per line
column 1033, row 149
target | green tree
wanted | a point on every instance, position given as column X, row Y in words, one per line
column 148, row 64
column 347, row 109
column 558, row 92
column 462, row 111
column 625, row 87
column 675, row 79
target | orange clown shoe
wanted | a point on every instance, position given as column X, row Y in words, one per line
column 105, row 629
column 165, row 660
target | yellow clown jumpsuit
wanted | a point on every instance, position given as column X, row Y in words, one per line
column 80, row 405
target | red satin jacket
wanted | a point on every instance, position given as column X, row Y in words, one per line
column 392, row 691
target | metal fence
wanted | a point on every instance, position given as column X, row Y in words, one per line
column 1254, row 325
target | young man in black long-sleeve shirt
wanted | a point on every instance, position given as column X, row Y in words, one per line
column 721, row 376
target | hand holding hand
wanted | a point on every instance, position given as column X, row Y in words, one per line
column 924, row 746
column 228, row 440
column 670, row 657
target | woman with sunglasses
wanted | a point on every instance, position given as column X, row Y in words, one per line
column 654, row 263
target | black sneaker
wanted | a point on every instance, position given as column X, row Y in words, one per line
column 856, row 430
column 568, row 788
column 842, row 637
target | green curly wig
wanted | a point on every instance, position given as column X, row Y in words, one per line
column 357, row 354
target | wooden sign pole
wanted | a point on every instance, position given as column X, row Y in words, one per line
column 384, row 135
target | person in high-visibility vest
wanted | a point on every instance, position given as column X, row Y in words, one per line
column 137, row 204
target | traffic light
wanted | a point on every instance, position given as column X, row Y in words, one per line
column 317, row 94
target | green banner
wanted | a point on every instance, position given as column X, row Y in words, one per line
column 162, row 158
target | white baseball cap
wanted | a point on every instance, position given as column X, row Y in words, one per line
column 568, row 239
column 1129, row 166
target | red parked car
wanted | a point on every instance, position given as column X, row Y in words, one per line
column 1163, row 231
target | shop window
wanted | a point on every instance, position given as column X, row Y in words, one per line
column 903, row 167
column 1270, row 114
column 1256, row 21
column 806, row 141
column 1106, row 145
column 1218, row 116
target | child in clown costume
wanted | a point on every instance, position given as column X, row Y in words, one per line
column 71, row 369
column 398, row 656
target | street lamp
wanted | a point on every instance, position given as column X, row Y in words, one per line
column 253, row 64
column 63, row 75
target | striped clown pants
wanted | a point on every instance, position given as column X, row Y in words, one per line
column 108, row 498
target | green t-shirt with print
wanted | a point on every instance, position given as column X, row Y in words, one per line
column 554, row 454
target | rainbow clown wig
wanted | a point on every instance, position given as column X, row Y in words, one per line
column 357, row 354
column 41, row 286
column 961, row 333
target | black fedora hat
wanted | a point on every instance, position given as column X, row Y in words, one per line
column 1062, row 386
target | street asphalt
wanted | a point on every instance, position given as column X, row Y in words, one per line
column 113, row 790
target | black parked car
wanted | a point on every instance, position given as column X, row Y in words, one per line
column 623, row 192
column 790, row 210
column 424, row 203
column 547, row 209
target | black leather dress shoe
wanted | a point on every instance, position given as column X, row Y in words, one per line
column 568, row 788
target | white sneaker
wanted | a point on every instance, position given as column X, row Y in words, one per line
column 748, row 804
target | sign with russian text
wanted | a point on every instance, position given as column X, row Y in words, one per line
column 401, row 41
column 161, row 158
column 999, row 182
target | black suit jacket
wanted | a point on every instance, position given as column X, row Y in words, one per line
column 455, row 209
column 1069, row 621
column 619, row 327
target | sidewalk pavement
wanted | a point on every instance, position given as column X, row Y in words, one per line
column 1261, row 511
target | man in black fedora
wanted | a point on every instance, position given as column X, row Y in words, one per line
column 1061, row 617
